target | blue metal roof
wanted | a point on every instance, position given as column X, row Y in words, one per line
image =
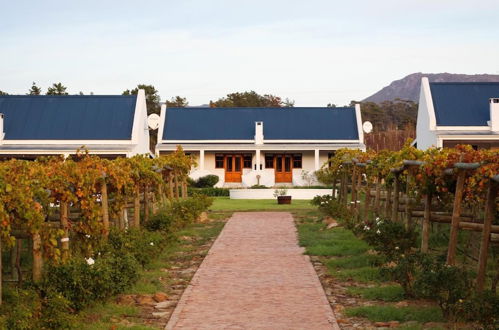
column 463, row 104
column 278, row 123
column 72, row 117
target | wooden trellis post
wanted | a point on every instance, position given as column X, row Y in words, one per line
column 37, row 256
column 396, row 194
column 456, row 210
column 136, row 207
column 353, row 201
column 175, row 180
column 425, row 235
column 105, row 207
column 146, row 203
column 388, row 200
column 490, row 208
column 411, row 166
column 64, row 222
column 377, row 200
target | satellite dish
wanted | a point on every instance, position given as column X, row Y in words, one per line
column 367, row 127
column 153, row 121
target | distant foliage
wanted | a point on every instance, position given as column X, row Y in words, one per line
column 57, row 89
column 177, row 102
column 251, row 99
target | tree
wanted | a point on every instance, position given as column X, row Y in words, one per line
column 331, row 105
column 3, row 93
column 152, row 97
column 250, row 99
column 57, row 89
column 34, row 90
column 177, row 102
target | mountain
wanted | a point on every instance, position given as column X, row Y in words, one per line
column 408, row 88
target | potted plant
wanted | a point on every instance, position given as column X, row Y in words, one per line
column 281, row 196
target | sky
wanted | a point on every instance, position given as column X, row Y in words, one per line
column 312, row 52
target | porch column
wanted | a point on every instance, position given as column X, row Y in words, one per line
column 201, row 160
column 258, row 160
column 317, row 167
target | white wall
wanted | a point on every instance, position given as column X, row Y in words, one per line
column 425, row 137
column 140, row 133
column 269, row 193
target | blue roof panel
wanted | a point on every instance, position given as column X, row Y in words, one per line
column 278, row 123
column 72, row 117
column 463, row 104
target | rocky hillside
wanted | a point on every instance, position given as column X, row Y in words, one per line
column 408, row 87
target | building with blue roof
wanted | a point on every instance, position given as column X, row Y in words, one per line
column 110, row 126
column 266, row 146
column 458, row 113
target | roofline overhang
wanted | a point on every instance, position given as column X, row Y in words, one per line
column 253, row 147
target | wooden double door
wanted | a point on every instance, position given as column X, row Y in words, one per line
column 283, row 168
column 233, row 165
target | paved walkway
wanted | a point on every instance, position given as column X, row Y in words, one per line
column 255, row 277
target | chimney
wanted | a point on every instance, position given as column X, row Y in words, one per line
column 259, row 132
column 494, row 114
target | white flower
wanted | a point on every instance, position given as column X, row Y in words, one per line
column 151, row 244
column 87, row 236
column 396, row 248
column 98, row 254
column 378, row 232
column 367, row 228
column 377, row 219
column 90, row 261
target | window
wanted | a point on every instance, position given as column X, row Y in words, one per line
column 219, row 161
column 297, row 161
column 269, row 161
column 247, row 161
column 329, row 156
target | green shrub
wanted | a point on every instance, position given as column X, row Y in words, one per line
column 258, row 186
column 82, row 283
column 483, row 308
column 177, row 214
column 331, row 207
column 207, row 181
column 141, row 244
column 405, row 269
column 213, row 192
column 448, row 285
column 388, row 237
column 33, row 308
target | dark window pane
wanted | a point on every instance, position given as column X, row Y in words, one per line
column 329, row 156
column 287, row 164
column 269, row 161
column 219, row 161
column 237, row 166
column 297, row 161
column 247, row 161
column 279, row 164
column 229, row 163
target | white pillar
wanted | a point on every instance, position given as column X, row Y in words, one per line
column 317, row 167
column 201, row 160
column 258, row 160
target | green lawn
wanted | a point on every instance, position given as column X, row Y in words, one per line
column 227, row 204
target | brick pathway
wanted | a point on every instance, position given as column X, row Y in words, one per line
column 255, row 277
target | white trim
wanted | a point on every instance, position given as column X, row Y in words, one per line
column 425, row 85
column 81, row 142
column 201, row 160
column 161, row 128
column 252, row 141
column 316, row 159
column 141, row 99
column 462, row 128
column 358, row 116
column 62, row 152
column 469, row 137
